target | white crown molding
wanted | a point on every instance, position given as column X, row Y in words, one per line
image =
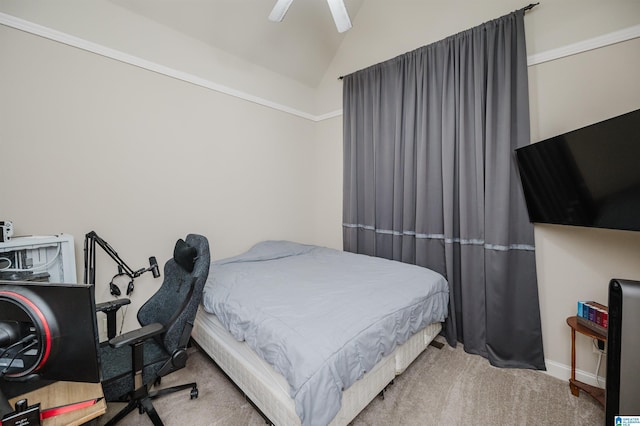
column 332, row 114
column 584, row 46
column 70, row 40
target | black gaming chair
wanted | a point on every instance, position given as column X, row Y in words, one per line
column 135, row 361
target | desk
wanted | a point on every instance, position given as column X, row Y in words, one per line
column 62, row 393
column 576, row 385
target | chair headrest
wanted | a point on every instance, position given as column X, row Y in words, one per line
column 185, row 255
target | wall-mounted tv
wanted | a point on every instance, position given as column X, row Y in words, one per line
column 586, row 177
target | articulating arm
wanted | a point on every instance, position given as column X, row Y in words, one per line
column 90, row 241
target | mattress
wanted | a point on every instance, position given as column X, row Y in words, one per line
column 321, row 317
column 269, row 390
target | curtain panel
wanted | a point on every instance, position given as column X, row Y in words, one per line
column 430, row 178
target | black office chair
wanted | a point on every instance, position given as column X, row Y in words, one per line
column 135, row 361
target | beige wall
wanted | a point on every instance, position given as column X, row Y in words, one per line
column 327, row 176
column 576, row 263
column 384, row 29
column 107, row 24
column 91, row 143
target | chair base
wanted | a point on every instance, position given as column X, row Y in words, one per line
column 144, row 405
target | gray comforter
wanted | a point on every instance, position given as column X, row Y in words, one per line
column 321, row 317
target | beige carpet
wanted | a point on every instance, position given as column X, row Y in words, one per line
column 441, row 387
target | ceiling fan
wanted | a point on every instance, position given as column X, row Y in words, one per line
column 338, row 10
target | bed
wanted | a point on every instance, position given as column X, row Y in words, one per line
column 311, row 335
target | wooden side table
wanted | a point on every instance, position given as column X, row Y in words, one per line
column 576, row 385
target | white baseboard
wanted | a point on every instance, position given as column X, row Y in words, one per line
column 563, row 372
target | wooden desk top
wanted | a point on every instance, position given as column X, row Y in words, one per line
column 62, row 393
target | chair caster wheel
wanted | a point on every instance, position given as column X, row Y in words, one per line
column 194, row 393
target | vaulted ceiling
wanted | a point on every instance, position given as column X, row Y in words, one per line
column 301, row 47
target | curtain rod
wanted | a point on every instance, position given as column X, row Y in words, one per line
column 529, row 7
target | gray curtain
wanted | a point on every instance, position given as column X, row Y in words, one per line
column 430, row 178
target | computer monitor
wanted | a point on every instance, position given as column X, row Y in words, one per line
column 47, row 333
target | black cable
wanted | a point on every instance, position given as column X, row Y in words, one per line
column 20, row 352
column 19, row 342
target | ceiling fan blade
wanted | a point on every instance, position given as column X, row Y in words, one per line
column 279, row 10
column 340, row 15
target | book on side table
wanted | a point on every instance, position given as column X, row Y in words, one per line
column 594, row 316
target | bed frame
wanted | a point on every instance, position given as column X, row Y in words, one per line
column 268, row 390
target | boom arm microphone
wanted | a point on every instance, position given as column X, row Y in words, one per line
column 90, row 241
column 155, row 270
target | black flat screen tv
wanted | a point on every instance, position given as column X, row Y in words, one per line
column 586, row 177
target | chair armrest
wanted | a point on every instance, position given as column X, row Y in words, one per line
column 137, row 336
column 111, row 309
column 112, row 305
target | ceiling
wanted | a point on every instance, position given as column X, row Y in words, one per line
column 301, row 47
